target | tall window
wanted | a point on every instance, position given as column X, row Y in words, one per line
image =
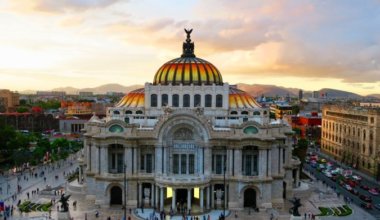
column 175, row 163
column 183, row 163
column 191, row 163
column 250, row 161
column 197, row 100
column 186, row 100
column 218, row 162
column 219, row 100
column 164, row 100
column 208, row 100
column 146, row 163
column 175, row 100
column 153, row 100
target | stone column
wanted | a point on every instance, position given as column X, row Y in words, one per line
column 151, row 195
column 212, row 197
column 201, row 199
column 208, row 198
column 238, row 159
column 208, row 161
column 161, row 198
column 262, row 163
column 188, row 198
column 141, row 197
column 173, row 199
column 128, row 159
column 157, row 196
column 165, row 156
column 158, row 160
column 269, row 162
column 229, row 162
column 104, row 158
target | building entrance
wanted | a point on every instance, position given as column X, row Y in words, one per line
column 181, row 200
column 250, row 198
column 116, row 196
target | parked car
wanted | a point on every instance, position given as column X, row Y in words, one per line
column 365, row 198
column 357, row 178
column 373, row 191
column 354, row 191
column 366, row 205
column 365, row 187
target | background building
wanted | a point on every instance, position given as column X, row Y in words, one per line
column 9, row 100
column 351, row 134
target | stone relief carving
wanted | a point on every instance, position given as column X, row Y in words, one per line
column 219, row 194
column 183, row 134
column 199, row 111
column 146, row 192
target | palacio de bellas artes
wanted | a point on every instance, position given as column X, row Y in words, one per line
column 187, row 141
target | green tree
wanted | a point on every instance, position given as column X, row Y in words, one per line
column 295, row 109
column 22, row 109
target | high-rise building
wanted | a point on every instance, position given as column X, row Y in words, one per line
column 300, row 94
column 189, row 138
column 351, row 134
column 10, row 100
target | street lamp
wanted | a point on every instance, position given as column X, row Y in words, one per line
column 125, row 192
column 224, row 184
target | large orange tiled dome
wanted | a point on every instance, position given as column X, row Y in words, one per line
column 187, row 71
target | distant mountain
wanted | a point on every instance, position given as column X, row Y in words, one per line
column 103, row 89
column 257, row 90
column 334, row 93
column 272, row 90
column 374, row 96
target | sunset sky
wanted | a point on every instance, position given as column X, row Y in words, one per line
column 308, row 44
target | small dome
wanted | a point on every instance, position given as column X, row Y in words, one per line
column 187, row 71
column 134, row 99
column 241, row 99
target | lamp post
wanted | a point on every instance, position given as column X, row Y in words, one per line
column 125, row 192
column 224, row 184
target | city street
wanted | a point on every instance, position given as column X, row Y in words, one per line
column 33, row 180
column 343, row 192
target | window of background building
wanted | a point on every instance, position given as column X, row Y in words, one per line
column 183, row 163
column 175, row 100
column 186, row 100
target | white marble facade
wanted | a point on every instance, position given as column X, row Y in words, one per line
column 189, row 151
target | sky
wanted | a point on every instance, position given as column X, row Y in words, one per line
column 307, row 44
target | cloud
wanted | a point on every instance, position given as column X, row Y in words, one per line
column 327, row 39
column 54, row 6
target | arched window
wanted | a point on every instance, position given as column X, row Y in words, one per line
column 164, row 100
column 219, row 100
column 256, row 113
column 139, row 112
column 153, row 100
column 197, row 100
column 116, row 112
column 175, row 101
column 128, row 112
column 233, row 113
column 208, row 100
column 186, row 100
column 244, row 113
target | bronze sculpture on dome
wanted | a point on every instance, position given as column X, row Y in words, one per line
column 188, row 46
